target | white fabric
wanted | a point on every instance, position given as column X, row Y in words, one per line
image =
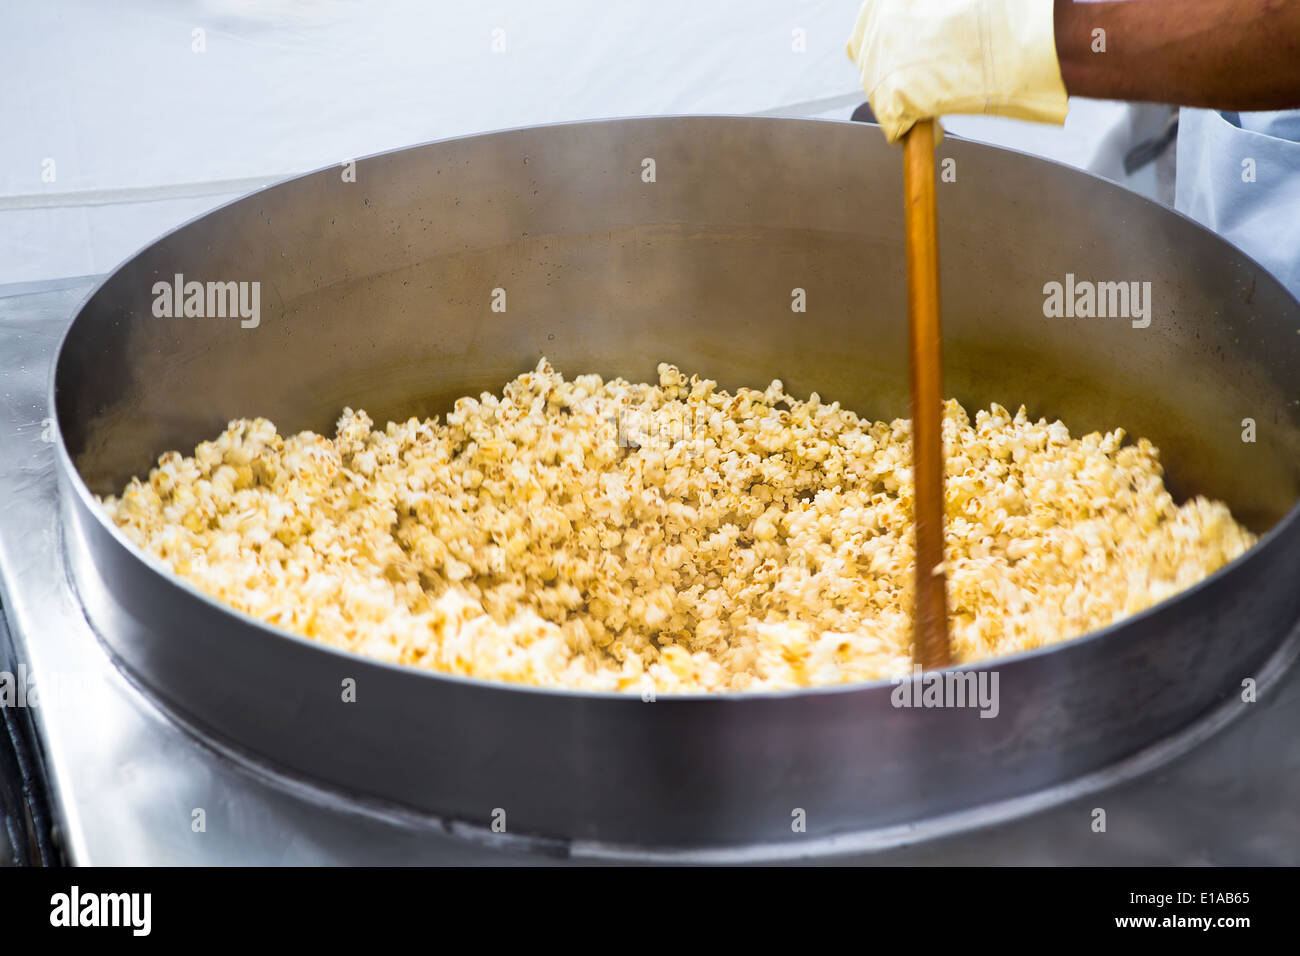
column 1239, row 174
column 145, row 133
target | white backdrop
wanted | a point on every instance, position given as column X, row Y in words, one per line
column 120, row 119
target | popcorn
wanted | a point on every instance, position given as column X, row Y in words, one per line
column 745, row 541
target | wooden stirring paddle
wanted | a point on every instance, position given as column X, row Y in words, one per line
column 930, row 646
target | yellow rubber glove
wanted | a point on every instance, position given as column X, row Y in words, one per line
column 921, row 59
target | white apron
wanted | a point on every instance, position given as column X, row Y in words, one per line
column 1239, row 174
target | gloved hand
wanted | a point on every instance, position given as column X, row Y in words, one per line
column 921, row 59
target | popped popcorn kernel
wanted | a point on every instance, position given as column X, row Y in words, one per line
column 673, row 536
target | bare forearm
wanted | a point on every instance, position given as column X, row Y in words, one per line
column 1221, row 54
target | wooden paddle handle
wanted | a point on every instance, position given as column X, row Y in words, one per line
column 930, row 647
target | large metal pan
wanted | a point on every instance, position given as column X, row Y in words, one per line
column 377, row 293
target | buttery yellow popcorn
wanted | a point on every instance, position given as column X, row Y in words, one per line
column 677, row 537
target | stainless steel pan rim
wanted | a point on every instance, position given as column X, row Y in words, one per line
column 563, row 754
column 855, row 844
